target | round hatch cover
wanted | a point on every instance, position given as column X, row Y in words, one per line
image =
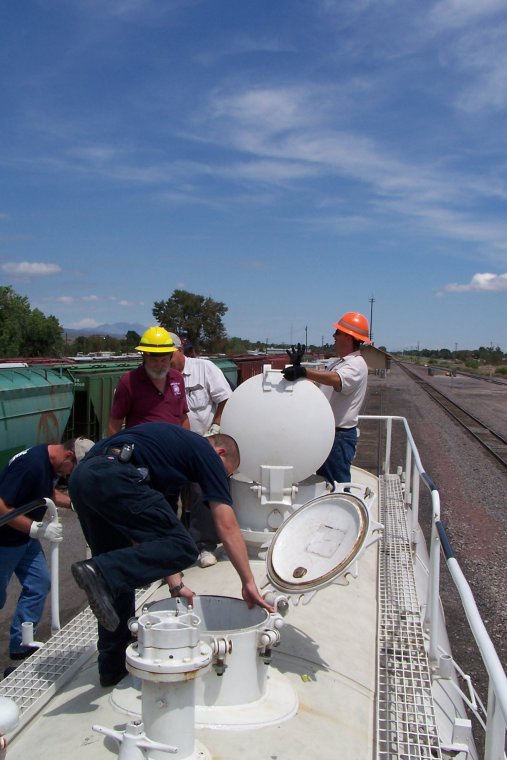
column 318, row 542
column 279, row 423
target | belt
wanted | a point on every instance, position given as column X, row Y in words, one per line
column 342, row 428
column 113, row 452
column 110, row 451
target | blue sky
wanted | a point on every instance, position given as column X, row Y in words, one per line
column 291, row 159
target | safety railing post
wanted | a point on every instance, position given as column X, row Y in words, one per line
column 432, row 606
column 408, row 473
column 389, row 434
column 414, row 525
column 495, row 728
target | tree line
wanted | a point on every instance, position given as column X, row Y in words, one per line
column 472, row 358
column 27, row 332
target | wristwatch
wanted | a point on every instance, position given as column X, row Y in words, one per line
column 176, row 589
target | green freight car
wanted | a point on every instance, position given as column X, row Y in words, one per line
column 35, row 406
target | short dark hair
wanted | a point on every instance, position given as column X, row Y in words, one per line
column 227, row 442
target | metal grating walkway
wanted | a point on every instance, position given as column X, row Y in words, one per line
column 41, row 675
column 35, row 681
column 406, row 722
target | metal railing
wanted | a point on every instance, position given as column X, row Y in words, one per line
column 414, row 473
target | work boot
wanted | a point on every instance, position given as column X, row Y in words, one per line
column 89, row 578
column 111, row 679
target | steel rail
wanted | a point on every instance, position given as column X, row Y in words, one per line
column 484, row 378
column 488, row 438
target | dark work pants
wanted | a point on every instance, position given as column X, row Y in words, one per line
column 199, row 518
column 134, row 536
column 337, row 465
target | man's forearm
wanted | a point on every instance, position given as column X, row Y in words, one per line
column 232, row 539
column 325, row 378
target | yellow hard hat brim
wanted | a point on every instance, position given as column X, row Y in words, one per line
column 156, row 349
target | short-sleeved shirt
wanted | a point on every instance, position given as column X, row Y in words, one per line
column 173, row 456
column 27, row 477
column 346, row 403
column 137, row 399
column 206, row 388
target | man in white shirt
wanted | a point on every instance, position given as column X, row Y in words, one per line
column 207, row 392
column 344, row 380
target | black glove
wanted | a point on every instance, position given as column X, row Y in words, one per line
column 296, row 353
column 294, row 372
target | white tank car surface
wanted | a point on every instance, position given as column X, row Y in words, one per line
column 353, row 663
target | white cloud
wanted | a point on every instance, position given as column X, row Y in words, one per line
column 84, row 323
column 480, row 282
column 30, row 268
column 63, row 299
column 460, row 13
column 273, row 109
column 89, row 298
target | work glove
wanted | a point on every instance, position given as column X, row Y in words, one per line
column 51, row 531
column 296, row 353
column 214, row 429
column 294, row 372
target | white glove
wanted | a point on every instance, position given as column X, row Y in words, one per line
column 51, row 531
column 214, row 430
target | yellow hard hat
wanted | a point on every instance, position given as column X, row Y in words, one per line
column 156, row 340
column 354, row 324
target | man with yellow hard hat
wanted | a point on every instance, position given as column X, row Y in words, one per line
column 344, row 380
column 153, row 392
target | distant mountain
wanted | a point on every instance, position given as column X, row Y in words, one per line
column 115, row 330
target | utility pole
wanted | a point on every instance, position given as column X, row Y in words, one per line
column 306, row 335
column 372, row 301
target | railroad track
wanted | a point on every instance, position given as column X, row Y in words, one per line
column 490, row 440
column 485, row 378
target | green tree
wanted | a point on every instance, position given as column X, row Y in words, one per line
column 197, row 317
column 42, row 336
column 14, row 310
column 237, row 345
column 132, row 339
column 26, row 332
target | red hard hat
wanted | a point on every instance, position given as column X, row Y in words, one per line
column 354, row 324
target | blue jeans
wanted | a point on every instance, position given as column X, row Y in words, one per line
column 337, row 465
column 29, row 565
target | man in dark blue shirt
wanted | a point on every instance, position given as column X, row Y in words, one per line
column 134, row 534
column 31, row 475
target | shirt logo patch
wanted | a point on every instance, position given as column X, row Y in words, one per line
column 176, row 389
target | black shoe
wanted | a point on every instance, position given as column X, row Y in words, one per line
column 111, row 679
column 22, row 655
column 88, row 577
